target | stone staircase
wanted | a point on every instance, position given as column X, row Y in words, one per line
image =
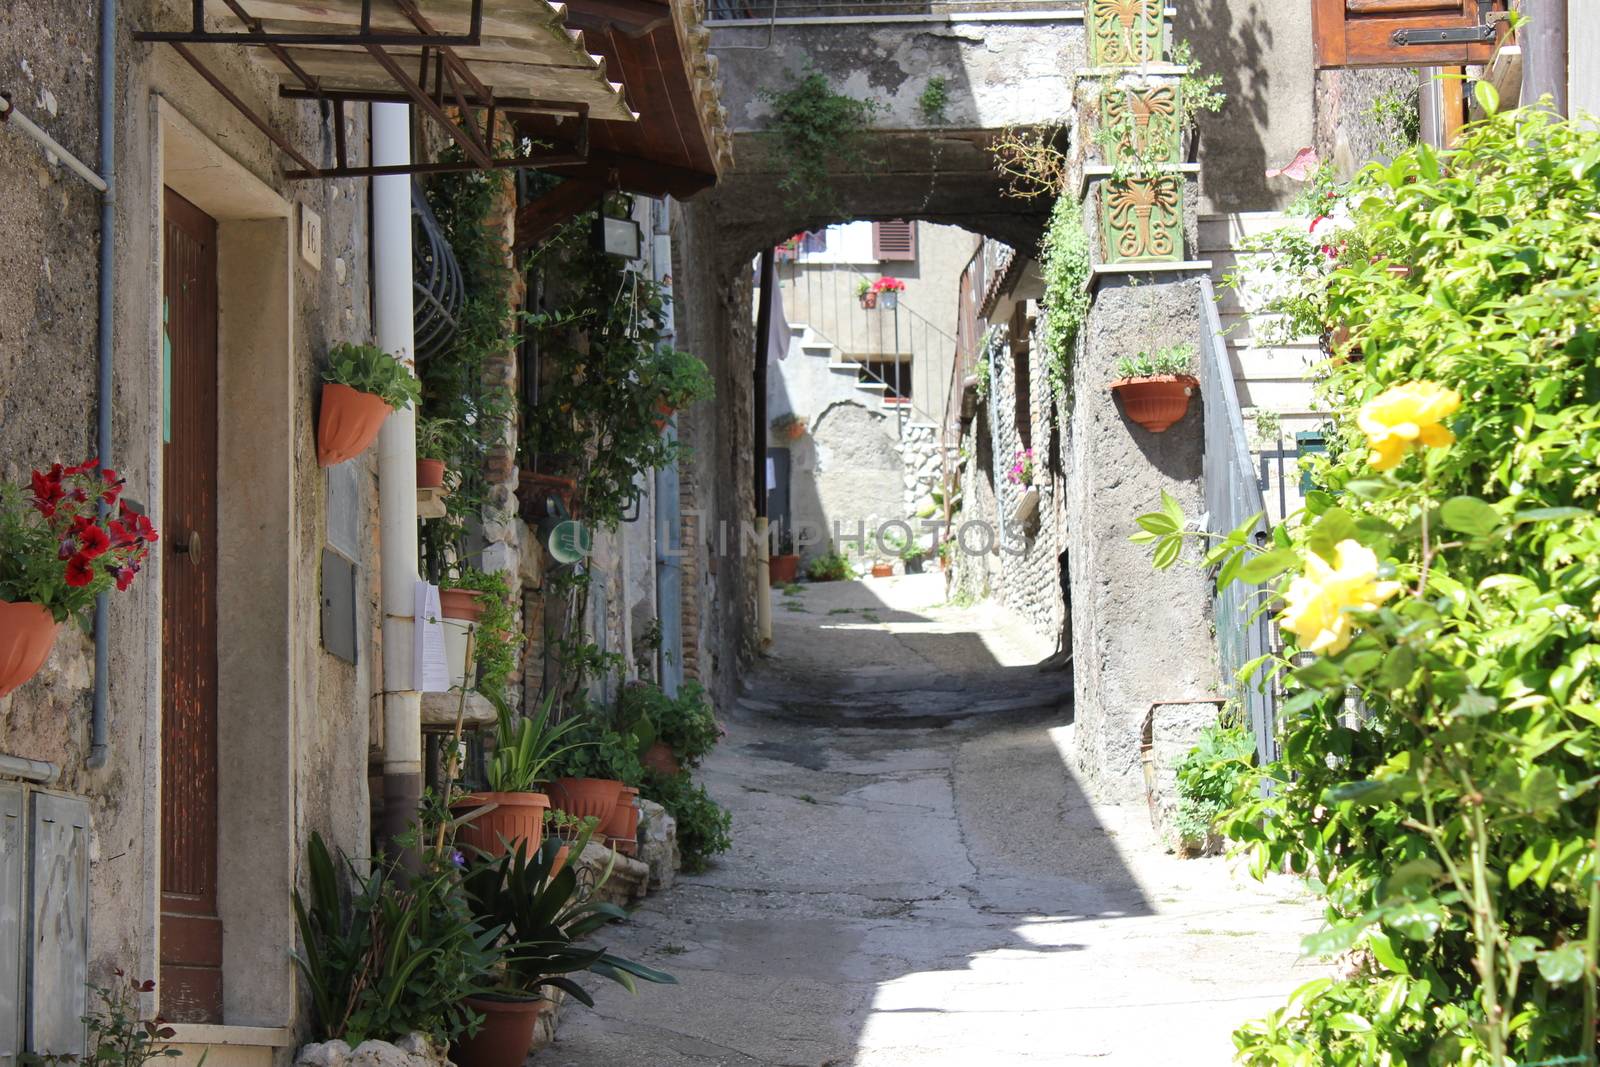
column 812, row 345
column 1270, row 373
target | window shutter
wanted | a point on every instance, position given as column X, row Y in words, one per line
column 1361, row 33
column 894, row 240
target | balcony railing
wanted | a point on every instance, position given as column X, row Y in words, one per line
column 870, row 10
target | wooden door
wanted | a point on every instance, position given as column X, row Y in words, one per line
column 191, row 931
column 1402, row 33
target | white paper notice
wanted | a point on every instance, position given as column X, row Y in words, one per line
column 430, row 672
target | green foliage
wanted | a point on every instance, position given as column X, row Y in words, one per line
column 437, row 438
column 525, row 747
column 498, row 639
column 830, row 567
column 703, row 825
column 386, row 955
column 544, row 919
column 933, row 101
column 599, row 751
column 1198, row 92
column 687, row 723
column 369, row 369
column 1399, row 117
column 1174, row 359
column 983, row 374
column 1449, row 811
column 1064, row 261
column 814, row 127
column 118, row 1037
column 605, row 373
column 1209, row 776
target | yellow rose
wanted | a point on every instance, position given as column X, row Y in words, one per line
column 1319, row 602
column 1406, row 415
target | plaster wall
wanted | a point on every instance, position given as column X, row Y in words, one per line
column 1583, row 45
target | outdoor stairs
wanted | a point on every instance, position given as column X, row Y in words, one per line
column 807, row 342
column 1270, row 374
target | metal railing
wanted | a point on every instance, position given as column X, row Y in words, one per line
column 758, row 11
column 1233, row 495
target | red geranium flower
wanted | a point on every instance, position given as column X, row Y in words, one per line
column 125, row 576
column 79, row 572
column 47, row 492
column 92, row 541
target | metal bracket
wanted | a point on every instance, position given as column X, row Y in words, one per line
column 1483, row 33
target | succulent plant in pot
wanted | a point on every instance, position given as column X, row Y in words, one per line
column 1155, row 387
column 362, row 385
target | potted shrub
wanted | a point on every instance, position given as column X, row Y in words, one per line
column 866, row 294
column 478, row 602
column 789, row 425
column 681, row 729
column 543, row 915
column 511, row 813
column 946, row 550
column 829, row 567
column 436, row 440
column 361, row 386
column 911, row 558
column 785, row 566
column 57, row 554
column 681, row 380
column 1155, row 387
column 888, row 291
column 593, row 774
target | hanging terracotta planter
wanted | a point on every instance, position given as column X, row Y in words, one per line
column 1158, row 401
column 516, row 822
column 659, row 758
column 505, row 1036
column 465, row 604
column 430, row 474
column 584, row 798
column 27, row 633
column 349, row 420
column 622, row 829
column 869, row 300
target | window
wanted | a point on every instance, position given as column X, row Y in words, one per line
column 1363, row 33
column 894, row 241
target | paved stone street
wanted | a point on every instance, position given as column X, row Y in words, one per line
column 916, row 878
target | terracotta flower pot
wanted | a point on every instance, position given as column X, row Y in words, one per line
column 622, row 829
column 586, row 797
column 659, row 758
column 561, row 860
column 461, row 604
column 783, row 569
column 430, row 474
column 27, row 633
column 517, row 822
column 869, row 300
column 349, row 420
column 666, row 411
column 1156, row 402
column 797, row 430
column 883, row 570
column 505, row 1036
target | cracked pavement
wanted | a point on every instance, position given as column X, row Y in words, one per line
column 916, row 878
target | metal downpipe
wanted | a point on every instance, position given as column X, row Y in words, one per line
column 99, row 726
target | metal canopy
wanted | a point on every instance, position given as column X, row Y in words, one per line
column 464, row 64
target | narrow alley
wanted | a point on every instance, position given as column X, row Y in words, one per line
column 916, row 879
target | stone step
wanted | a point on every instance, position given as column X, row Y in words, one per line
column 1291, row 362
column 1225, row 231
column 1275, row 394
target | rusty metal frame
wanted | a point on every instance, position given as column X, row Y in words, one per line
column 451, row 85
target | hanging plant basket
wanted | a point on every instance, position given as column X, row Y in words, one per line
column 27, row 633
column 1158, row 401
column 349, row 421
column 869, row 300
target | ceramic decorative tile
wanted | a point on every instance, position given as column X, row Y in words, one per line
column 1125, row 33
column 1144, row 121
column 1143, row 218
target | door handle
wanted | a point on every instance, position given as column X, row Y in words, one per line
column 190, row 547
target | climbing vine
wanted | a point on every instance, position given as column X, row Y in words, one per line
column 815, row 127
column 1064, row 259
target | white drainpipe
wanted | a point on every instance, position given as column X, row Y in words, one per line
column 397, row 475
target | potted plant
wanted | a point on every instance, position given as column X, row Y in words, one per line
column 592, row 775
column 789, row 425
column 361, row 386
column 568, row 830
column 829, row 567
column 511, row 813
column 866, row 294
column 1155, row 386
column 785, row 566
column 946, row 550
column 888, row 291
column 912, row 556
column 436, row 441
column 622, row 829
column 882, row 569
column 681, row 379
column 58, row 552
column 543, row 916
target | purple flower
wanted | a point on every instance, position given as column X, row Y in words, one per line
column 457, row 858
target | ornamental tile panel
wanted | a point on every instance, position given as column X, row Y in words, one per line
column 1143, row 125
column 1143, row 218
column 1125, row 33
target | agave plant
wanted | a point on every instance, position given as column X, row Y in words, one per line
column 543, row 917
column 527, row 746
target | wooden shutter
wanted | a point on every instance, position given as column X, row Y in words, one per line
column 894, row 240
column 1362, row 33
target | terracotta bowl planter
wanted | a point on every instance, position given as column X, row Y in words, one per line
column 622, row 829
column 430, row 474
column 517, row 822
column 461, row 604
column 783, row 569
column 505, row 1036
column 659, row 758
column 1158, row 401
column 349, row 420
column 27, row 633
column 586, row 797
column 883, row 570
column 665, row 411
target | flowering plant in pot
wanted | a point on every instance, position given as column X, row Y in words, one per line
column 63, row 541
column 888, row 290
column 1155, row 386
column 511, row 811
column 361, row 386
column 789, row 425
column 866, row 294
column 1021, row 472
column 437, row 440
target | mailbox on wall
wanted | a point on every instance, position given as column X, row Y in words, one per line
column 1406, row 33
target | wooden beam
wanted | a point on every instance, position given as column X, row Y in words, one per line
column 536, row 219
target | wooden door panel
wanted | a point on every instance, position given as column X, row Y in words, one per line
column 1361, row 33
column 191, row 931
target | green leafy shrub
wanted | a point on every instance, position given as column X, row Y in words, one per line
column 1208, row 777
column 687, row 723
column 118, row 1037
column 1177, row 359
column 1064, row 261
column 829, row 567
column 934, row 100
column 369, row 369
column 812, row 127
column 1447, row 578
column 704, row 826
column 498, row 639
column 599, row 751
